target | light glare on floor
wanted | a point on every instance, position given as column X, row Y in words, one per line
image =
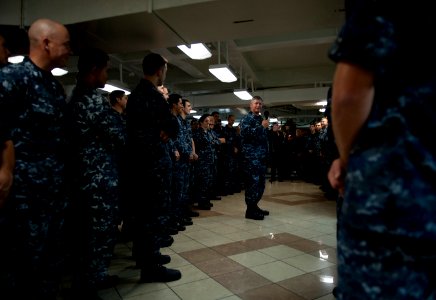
column 323, row 254
column 327, row 279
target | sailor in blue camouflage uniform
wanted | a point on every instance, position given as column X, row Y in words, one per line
column 32, row 104
column 205, row 163
column 193, row 157
column 98, row 137
column 166, row 218
column 383, row 117
column 149, row 130
column 231, row 152
column 183, row 144
column 216, row 141
column 254, row 140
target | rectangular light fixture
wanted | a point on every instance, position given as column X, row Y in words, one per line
column 223, row 73
column 15, row 59
column 196, row 51
column 110, row 87
column 243, row 94
column 59, row 72
column 321, row 103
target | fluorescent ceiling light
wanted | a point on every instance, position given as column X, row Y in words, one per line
column 273, row 120
column 59, row 72
column 193, row 111
column 196, row 51
column 224, row 123
column 196, row 117
column 110, row 87
column 322, row 103
column 19, row 58
column 322, row 110
column 222, row 72
column 243, row 94
column 15, row 59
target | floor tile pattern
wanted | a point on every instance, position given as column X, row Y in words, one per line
column 289, row 255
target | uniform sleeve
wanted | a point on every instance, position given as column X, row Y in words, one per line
column 9, row 104
column 367, row 39
column 251, row 131
column 95, row 117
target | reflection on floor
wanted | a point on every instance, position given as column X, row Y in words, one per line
column 289, row 255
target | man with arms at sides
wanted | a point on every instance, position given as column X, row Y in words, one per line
column 384, row 101
column 32, row 103
column 204, row 164
column 183, row 144
column 97, row 139
column 230, row 152
column 149, row 129
column 187, row 107
column 254, row 135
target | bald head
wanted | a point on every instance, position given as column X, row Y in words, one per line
column 49, row 44
column 44, row 28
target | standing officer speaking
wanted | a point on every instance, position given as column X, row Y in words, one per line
column 254, row 134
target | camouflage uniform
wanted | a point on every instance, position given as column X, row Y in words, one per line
column 167, row 204
column 216, row 144
column 149, row 163
column 221, row 186
column 98, row 135
column 387, row 232
column 278, row 157
column 312, row 159
column 183, row 144
column 32, row 102
column 231, row 160
column 254, row 140
column 204, row 165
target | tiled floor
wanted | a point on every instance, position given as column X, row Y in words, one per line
column 289, row 255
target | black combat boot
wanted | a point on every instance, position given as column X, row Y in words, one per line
column 159, row 273
column 253, row 213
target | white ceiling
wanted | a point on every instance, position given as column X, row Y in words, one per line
column 279, row 45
